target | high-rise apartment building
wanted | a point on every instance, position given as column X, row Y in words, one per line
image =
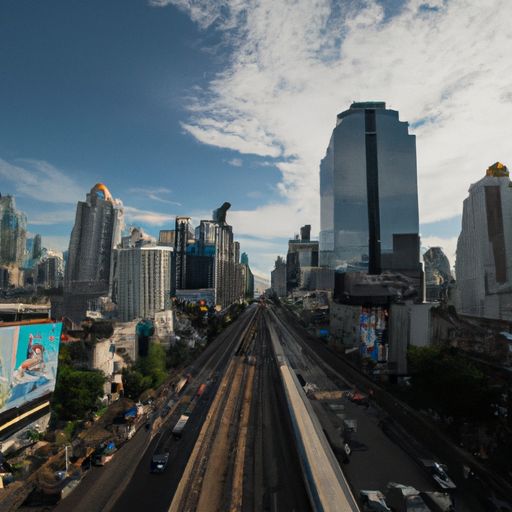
column 484, row 249
column 437, row 274
column 50, row 270
column 183, row 232
column 278, row 277
column 143, row 281
column 247, row 276
column 224, row 269
column 97, row 231
column 302, row 256
column 369, row 197
column 210, row 261
column 13, row 232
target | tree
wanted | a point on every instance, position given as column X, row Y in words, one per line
column 442, row 379
column 134, row 383
column 76, row 392
column 148, row 372
column 153, row 366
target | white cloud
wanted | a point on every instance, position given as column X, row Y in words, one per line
column 295, row 64
column 135, row 215
column 58, row 243
column 52, row 217
column 235, row 162
column 41, row 181
column 154, row 194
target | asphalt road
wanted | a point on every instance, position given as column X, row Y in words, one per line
column 273, row 477
column 126, row 483
column 149, row 491
column 380, row 458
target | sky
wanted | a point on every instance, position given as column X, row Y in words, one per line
column 180, row 105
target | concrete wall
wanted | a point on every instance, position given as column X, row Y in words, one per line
column 344, row 324
column 398, row 338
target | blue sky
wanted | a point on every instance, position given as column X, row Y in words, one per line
column 180, row 105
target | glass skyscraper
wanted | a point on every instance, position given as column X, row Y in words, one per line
column 369, row 193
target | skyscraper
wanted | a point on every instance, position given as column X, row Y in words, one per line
column 13, row 232
column 437, row 273
column 97, row 231
column 484, row 248
column 183, row 231
column 143, row 281
column 369, row 198
column 278, row 277
column 248, row 276
column 302, row 256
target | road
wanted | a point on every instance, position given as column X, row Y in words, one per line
column 157, row 490
column 377, row 458
column 125, row 483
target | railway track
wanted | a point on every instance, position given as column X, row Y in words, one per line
column 210, row 481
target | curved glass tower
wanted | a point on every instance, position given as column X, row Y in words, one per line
column 369, row 193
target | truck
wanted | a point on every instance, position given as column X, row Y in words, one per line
column 180, row 425
column 181, row 383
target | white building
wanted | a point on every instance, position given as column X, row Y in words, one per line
column 143, row 281
column 484, row 249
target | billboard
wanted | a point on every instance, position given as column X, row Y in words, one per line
column 28, row 362
column 373, row 333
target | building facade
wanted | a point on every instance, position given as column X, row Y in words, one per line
column 369, row 198
column 437, row 274
column 50, row 270
column 143, row 281
column 484, row 248
column 183, row 232
column 13, row 232
column 278, row 277
column 97, row 231
column 301, row 258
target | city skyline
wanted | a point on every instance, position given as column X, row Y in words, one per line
column 164, row 119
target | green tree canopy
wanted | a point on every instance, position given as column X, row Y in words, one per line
column 445, row 381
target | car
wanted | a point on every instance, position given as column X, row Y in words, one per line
column 439, row 474
column 159, row 462
column 373, row 501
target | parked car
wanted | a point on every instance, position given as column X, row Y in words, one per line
column 159, row 462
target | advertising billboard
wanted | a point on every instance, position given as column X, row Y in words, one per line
column 28, row 362
column 372, row 328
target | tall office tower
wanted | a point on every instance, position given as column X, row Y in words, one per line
column 369, row 197
column 50, row 270
column 143, row 281
column 248, row 276
column 437, row 274
column 278, row 277
column 301, row 257
column 224, row 274
column 205, row 234
column 484, row 248
column 227, row 271
column 37, row 250
column 183, row 229
column 97, row 231
column 13, row 232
